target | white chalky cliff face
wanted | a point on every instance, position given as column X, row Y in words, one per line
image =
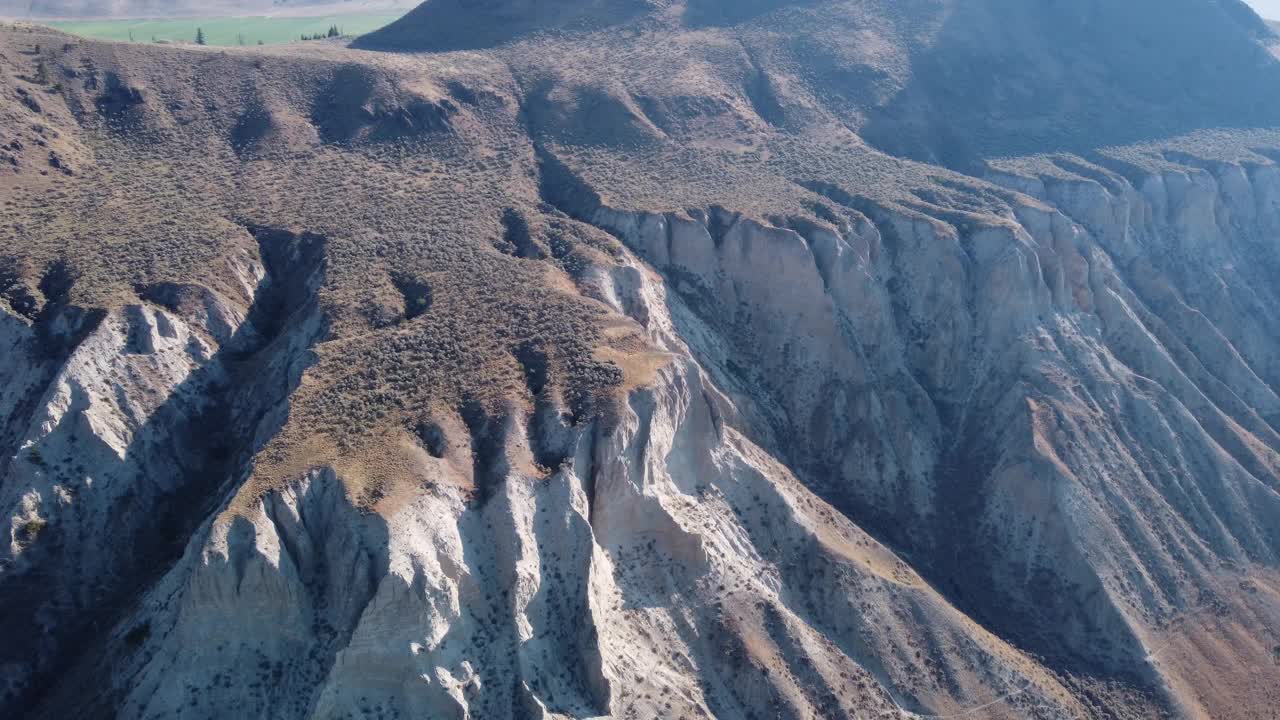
column 1063, row 419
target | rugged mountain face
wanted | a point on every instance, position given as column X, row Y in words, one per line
column 938, row 81
column 628, row 362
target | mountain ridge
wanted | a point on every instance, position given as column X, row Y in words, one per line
column 911, row 89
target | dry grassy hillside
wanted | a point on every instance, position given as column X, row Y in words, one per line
column 411, row 178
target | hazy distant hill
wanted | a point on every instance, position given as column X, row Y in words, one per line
column 169, row 8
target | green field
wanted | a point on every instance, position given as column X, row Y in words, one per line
column 225, row 30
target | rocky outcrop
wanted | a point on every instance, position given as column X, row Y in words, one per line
column 140, row 427
column 670, row 566
column 1017, row 394
column 87, row 452
column 855, row 438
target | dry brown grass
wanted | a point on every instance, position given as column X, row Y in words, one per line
column 413, row 192
column 411, row 168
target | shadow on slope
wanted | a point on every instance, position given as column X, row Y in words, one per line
column 211, row 424
column 1010, row 77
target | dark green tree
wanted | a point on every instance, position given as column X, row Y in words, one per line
column 200, row 36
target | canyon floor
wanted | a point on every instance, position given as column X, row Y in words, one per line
column 647, row 359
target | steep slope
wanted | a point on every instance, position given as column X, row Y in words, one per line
column 929, row 80
column 616, row 371
column 1045, row 68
